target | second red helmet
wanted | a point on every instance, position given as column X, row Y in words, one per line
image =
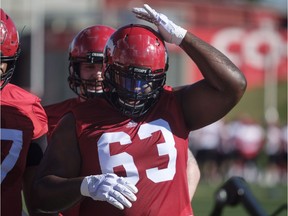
column 87, row 47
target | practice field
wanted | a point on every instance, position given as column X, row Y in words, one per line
column 270, row 199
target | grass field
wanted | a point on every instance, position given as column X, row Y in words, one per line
column 252, row 103
column 270, row 199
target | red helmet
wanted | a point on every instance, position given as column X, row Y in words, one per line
column 87, row 46
column 135, row 65
column 9, row 46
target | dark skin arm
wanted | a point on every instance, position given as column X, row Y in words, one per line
column 29, row 175
column 57, row 185
column 213, row 97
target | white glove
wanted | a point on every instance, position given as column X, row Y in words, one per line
column 109, row 187
column 169, row 30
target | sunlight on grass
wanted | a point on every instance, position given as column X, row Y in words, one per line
column 270, row 199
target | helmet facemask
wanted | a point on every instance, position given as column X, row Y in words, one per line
column 7, row 75
column 85, row 88
column 133, row 90
column 135, row 65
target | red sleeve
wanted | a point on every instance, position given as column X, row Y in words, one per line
column 39, row 119
column 28, row 104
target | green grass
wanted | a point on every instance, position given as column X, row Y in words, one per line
column 252, row 103
column 269, row 198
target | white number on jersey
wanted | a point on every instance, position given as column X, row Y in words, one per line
column 108, row 161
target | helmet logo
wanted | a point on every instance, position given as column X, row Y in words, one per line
column 94, row 57
column 3, row 32
column 140, row 70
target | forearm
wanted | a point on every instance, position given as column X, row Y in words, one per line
column 28, row 176
column 54, row 194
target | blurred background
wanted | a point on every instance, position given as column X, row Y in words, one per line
column 251, row 141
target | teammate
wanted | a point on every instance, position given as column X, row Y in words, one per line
column 85, row 70
column 135, row 141
column 85, row 76
column 23, row 127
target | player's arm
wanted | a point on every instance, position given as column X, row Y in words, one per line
column 34, row 157
column 193, row 174
column 56, row 186
column 58, row 183
column 223, row 85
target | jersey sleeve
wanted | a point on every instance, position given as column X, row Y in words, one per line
column 39, row 119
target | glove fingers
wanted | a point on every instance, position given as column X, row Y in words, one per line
column 125, row 191
column 115, row 202
column 142, row 14
column 131, row 187
column 151, row 11
column 140, row 11
column 127, row 184
column 115, row 195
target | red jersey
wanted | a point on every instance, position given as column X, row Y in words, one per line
column 22, row 120
column 56, row 111
column 150, row 152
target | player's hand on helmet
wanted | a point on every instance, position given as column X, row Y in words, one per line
column 111, row 188
column 171, row 32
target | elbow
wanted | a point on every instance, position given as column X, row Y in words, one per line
column 238, row 86
column 242, row 82
column 241, row 86
column 36, row 197
column 40, row 199
column 37, row 201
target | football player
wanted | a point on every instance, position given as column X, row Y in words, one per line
column 130, row 148
column 23, row 127
column 85, row 76
column 85, row 70
column 85, row 79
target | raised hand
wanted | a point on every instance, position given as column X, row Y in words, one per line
column 170, row 32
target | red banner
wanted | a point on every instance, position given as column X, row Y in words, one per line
column 254, row 51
